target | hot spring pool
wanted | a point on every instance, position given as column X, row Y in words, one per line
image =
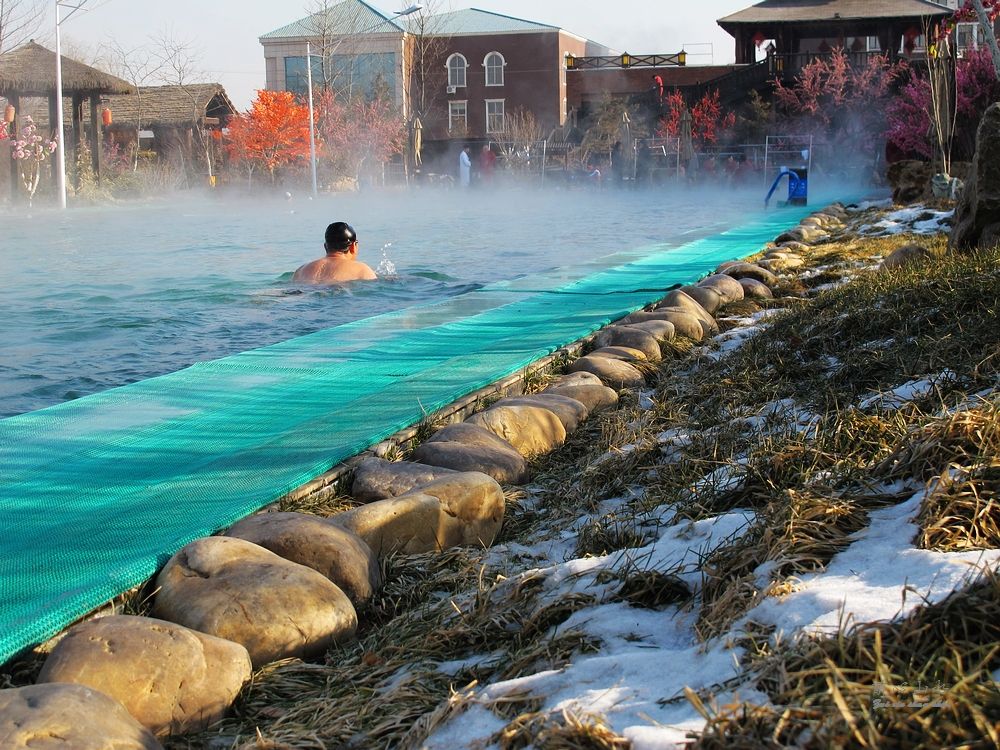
column 95, row 298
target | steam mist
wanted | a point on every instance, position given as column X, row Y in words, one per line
column 96, row 298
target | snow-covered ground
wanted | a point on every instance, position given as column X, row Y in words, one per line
column 648, row 657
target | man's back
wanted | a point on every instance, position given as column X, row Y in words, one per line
column 333, row 269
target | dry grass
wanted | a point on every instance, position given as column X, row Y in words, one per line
column 811, row 488
column 922, row 682
column 962, row 511
column 565, row 730
column 965, row 438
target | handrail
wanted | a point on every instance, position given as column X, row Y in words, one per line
column 793, row 183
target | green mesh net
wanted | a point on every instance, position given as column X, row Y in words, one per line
column 99, row 492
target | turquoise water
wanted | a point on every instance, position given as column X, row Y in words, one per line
column 99, row 491
column 96, row 298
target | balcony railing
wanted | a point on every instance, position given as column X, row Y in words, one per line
column 625, row 60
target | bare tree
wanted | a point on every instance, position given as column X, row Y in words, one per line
column 424, row 73
column 520, row 134
column 20, row 20
column 139, row 66
column 179, row 65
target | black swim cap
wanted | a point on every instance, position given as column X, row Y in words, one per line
column 340, row 236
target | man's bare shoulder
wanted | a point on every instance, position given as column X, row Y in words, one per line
column 325, row 271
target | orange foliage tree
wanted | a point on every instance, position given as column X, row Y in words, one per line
column 272, row 135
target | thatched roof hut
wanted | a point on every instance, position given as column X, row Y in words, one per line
column 152, row 107
column 30, row 70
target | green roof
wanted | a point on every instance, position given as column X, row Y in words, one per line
column 476, row 21
column 342, row 19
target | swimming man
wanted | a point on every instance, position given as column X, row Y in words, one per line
column 340, row 263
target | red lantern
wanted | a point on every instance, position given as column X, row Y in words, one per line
column 8, row 114
column 106, row 116
column 759, row 38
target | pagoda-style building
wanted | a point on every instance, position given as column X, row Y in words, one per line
column 810, row 27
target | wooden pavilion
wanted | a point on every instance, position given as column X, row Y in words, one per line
column 30, row 72
column 810, row 27
column 176, row 117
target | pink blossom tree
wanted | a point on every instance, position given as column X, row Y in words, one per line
column 30, row 151
column 909, row 126
column 841, row 104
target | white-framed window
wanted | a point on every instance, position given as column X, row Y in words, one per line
column 458, row 116
column 456, row 69
column 495, row 116
column 494, row 64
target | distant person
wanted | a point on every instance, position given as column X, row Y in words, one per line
column 487, row 163
column 658, row 88
column 464, row 168
column 340, row 263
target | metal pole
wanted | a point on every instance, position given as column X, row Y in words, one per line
column 60, row 140
column 312, row 126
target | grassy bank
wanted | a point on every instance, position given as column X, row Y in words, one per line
column 790, row 538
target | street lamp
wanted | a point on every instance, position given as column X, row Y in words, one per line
column 60, row 137
column 415, row 8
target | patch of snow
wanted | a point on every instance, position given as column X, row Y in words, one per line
column 732, row 340
column 908, row 391
column 646, row 659
column 881, row 576
column 646, row 400
column 866, row 205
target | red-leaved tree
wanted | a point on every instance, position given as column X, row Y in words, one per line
column 358, row 132
column 707, row 120
column 272, row 135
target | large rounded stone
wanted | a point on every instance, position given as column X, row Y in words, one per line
column 569, row 411
column 576, row 378
column 532, row 430
column 469, row 447
column 58, row 716
column 789, row 247
column 239, row 591
column 614, row 373
column 781, row 265
column 624, row 353
column 686, row 302
column 709, row 299
column 806, row 235
column 171, row 679
column 663, row 330
column 977, row 215
column 314, row 542
column 685, row 324
column 634, row 338
column 463, row 510
column 594, row 396
column 753, row 289
column 377, row 479
column 751, row 271
column 727, row 287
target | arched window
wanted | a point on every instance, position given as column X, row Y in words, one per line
column 494, row 64
column 456, row 70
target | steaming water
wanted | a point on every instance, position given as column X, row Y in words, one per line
column 95, row 298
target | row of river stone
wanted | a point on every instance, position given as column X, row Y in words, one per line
column 281, row 585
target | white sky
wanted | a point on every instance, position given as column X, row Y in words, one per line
column 226, row 31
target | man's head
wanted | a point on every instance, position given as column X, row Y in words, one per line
column 340, row 237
